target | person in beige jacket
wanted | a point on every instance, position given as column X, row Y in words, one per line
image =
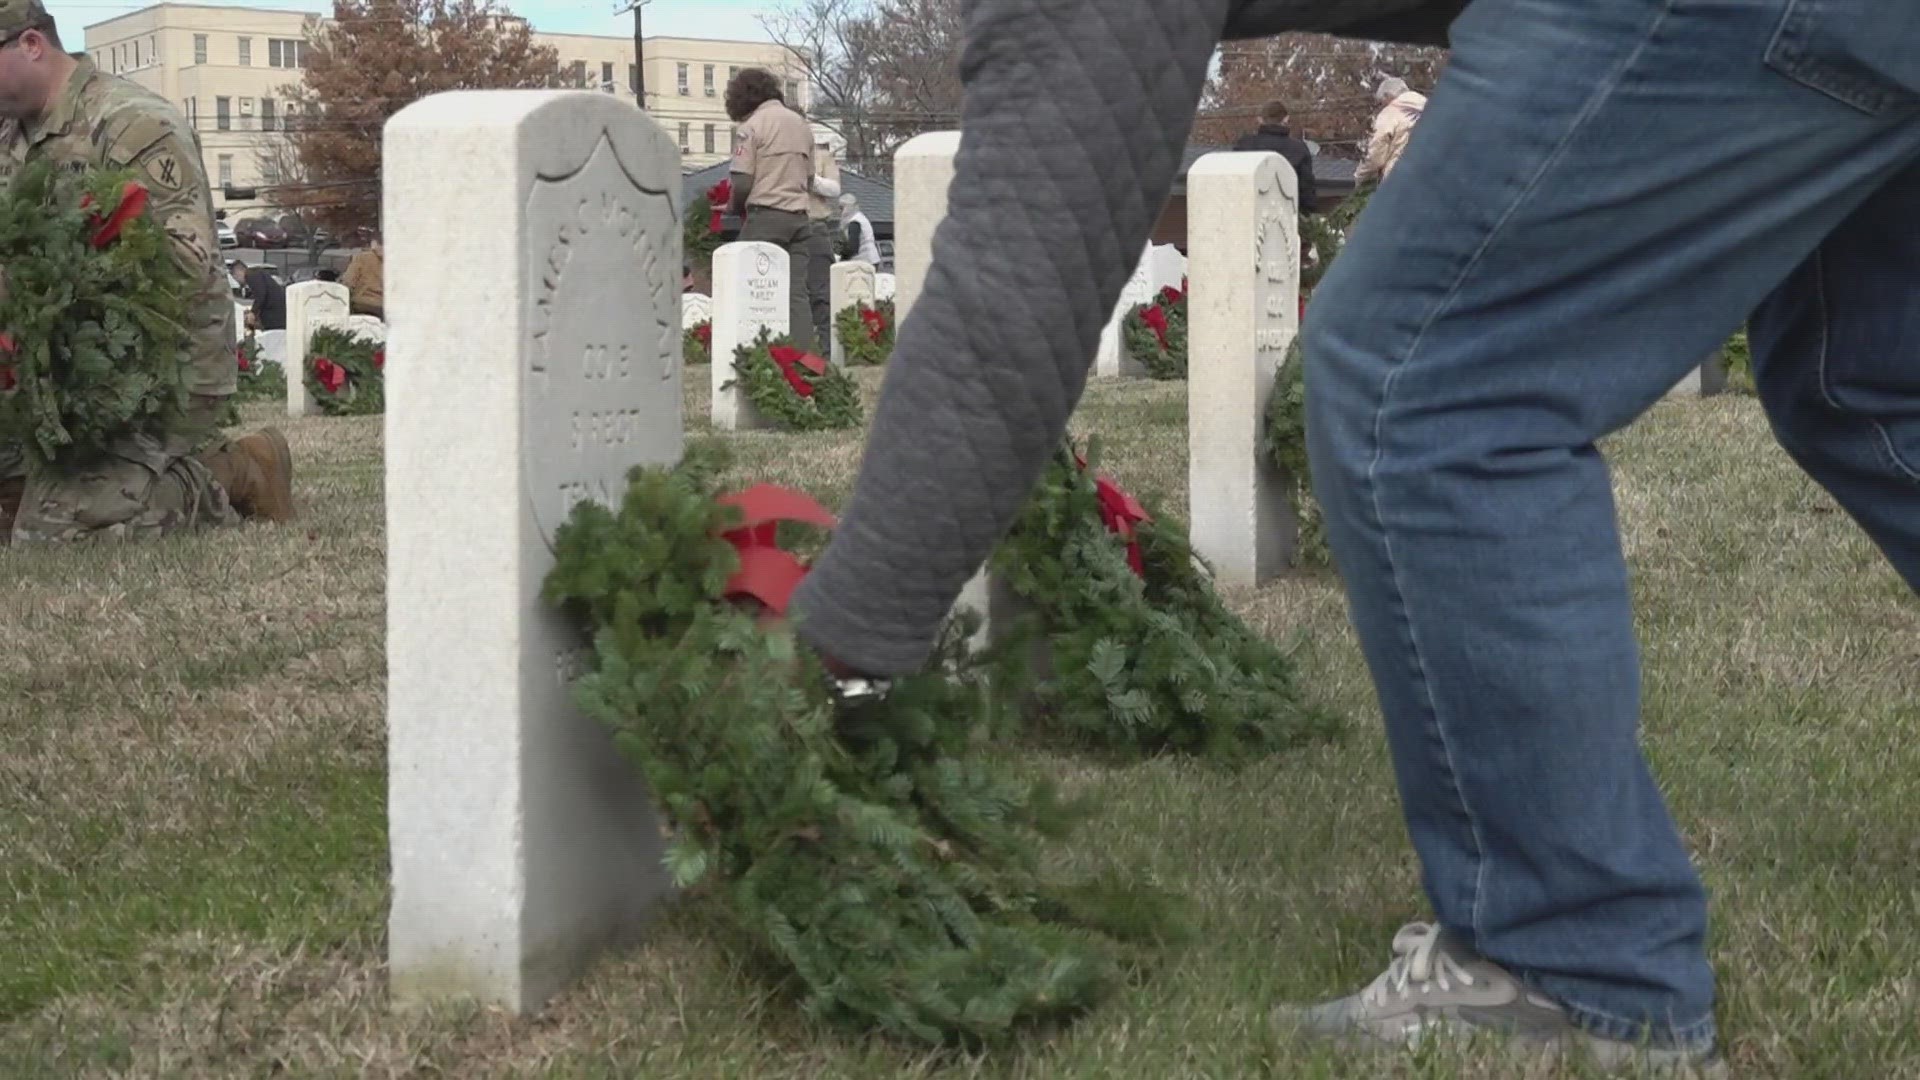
column 365, row 294
column 1391, row 129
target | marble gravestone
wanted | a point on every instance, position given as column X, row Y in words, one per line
column 1111, row 360
column 1242, row 316
column 922, row 172
column 1166, row 267
column 310, row 306
column 885, row 287
column 851, row 283
column 749, row 295
column 534, row 362
column 695, row 308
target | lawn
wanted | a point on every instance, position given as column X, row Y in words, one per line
column 193, row 874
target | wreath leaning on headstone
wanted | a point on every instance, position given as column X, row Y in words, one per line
column 346, row 373
column 260, row 378
column 866, row 332
column 881, row 855
column 696, row 343
column 798, row 391
column 1156, row 333
column 93, row 310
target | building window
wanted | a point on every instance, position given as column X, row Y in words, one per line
column 709, row 138
column 286, row 53
column 266, row 114
column 707, row 77
column 606, row 76
column 222, row 114
column 793, row 94
column 136, row 54
column 226, row 170
column 246, row 113
column 633, row 78
column 193, row 113
column 683, row 80
column 199, row 48
column 153, row 50
column 732, row 70
column 270, row 170
column 685, row 144
column 246, row 52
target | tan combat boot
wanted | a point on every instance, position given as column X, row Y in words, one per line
column 257, row 472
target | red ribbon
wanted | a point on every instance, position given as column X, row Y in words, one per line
column 769, row 573
column 790, row 360
column 1172, row 295
column 7, row 378
column 1156, row 319
column 331, row 375
column 704, row 332
column 241, row 355
column 718, row 196
column 1121, row 512
column 380, row 359
column 133, row 201
column 876, row 323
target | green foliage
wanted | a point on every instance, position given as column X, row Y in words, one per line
column 260, row 379
column 1738, row 356
column 699, row 243
column 834, row 403
column 878, row 853
column 696, row 343
column 858, row 341
column 100, row 337
column 363, row 359
column 1284, row 434
column 1153, row 664
column 1143, row 345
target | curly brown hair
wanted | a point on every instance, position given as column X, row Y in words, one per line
column 750, row 89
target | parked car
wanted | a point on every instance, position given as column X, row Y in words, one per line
column 256, row 232
column 225, row 232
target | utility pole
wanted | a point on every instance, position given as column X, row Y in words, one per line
column 639, row 51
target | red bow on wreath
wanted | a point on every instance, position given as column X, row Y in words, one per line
column 241, row 355
column 790, row 360
column 133, row 200
column 380, row 359
column 704, row 331
column 1121, row 512
column 769, row 573
column 718, row 196
column 876, row 323
column 1156, row 319
column 331, row 375
column 1172, row 295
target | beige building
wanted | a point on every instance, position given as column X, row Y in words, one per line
column 228, row 69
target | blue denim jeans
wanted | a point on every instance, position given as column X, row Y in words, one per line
column 1597, row 196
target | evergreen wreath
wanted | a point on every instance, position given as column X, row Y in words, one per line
column 797, row 391
column 1139, row 652
column 1155, row 333
column 879, row 853
column 346, row 373
column 260, row 378
column 696, row 343
column 1284, row 433
column 94, row 313
column 865, row 332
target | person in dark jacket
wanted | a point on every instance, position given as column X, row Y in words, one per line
column 1601, row 194
column 268, row 295
column 1274, row 135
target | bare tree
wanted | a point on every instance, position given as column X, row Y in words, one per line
column 1327, row 83
column 882, row 71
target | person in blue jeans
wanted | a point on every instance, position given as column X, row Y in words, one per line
column 1600, row 192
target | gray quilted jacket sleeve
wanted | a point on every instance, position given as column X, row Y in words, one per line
column 1075, row 117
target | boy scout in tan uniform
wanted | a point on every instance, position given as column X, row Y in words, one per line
column 61, row 108
column 772, row 181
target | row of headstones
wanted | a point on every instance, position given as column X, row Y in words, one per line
column 311, row 305
column 536, row 362
column 844, row 291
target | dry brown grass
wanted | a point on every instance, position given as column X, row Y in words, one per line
column 192, row 847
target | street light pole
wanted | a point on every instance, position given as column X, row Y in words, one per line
column 639, row 51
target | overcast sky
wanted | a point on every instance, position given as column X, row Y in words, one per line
column 676, row 18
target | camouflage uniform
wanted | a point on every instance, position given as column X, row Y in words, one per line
column 150, row 484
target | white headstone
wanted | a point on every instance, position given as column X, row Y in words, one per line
column 1243, row 235
column 852, row 284
column 885, row 287
column 922, row 171
column 368, row 327
column 1166, row 267
column 1112, row 361
column 749, row 294
column 310, row 306
column 695, row 308
column 535, row 361
column 273, row 346
column 240, row 317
